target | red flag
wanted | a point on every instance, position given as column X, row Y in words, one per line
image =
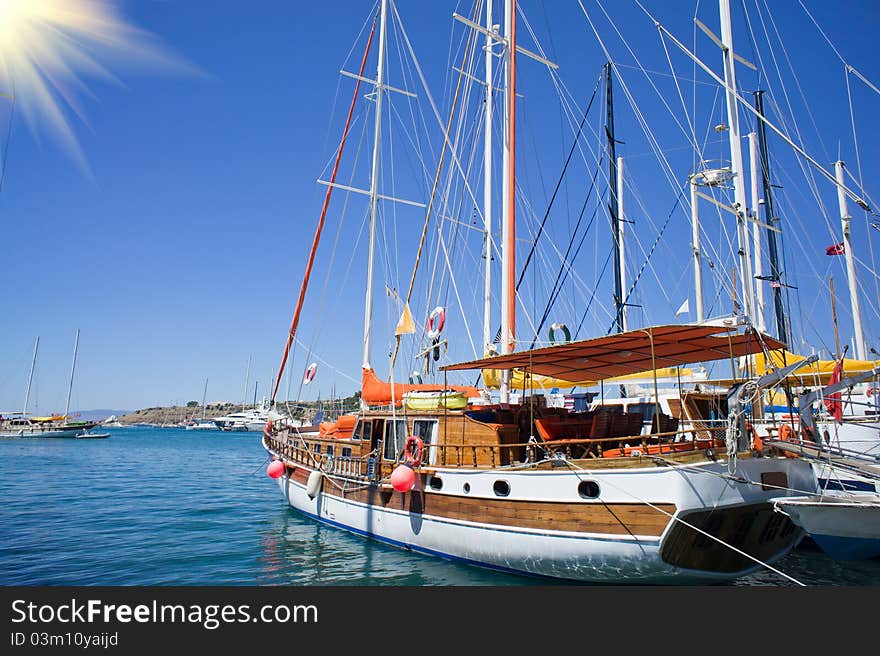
column 832, row 402
column 837, row 249
column 776, row 284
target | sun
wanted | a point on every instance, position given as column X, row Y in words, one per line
column 49, row 48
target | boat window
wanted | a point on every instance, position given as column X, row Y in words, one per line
column 426, row 429
column 436, row 483
column 317, row 448
column 329, row 449
column 346, row 452
column 394, row 437
column 363, row 430
column 588, row 489
column 501, row 488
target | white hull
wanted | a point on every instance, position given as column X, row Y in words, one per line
column 48, row 432
column 845, row 527
column 565, row 554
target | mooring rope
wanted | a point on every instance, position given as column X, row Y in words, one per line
column 699, row 530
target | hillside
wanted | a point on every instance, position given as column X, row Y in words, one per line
column 175, row 414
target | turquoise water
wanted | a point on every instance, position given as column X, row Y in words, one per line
column 175, row 507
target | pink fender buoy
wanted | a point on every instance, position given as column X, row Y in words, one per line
column 403, row 478
column 275, row 469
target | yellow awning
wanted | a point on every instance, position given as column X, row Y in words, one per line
column 520, row 380
column 817, row 373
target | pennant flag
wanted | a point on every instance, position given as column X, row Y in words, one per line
column 406, row 325
column 684, row 309
column 837, row 249
column 775, row 284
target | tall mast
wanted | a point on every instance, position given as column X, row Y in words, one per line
column 247, row 379
column 745, row 267
column 621, row 242
column 695, row 246
column 756, row 232
column 771, row 221
column 487, row 185
column 72, row 369
column 508, row 231
column 204, row 397
column 27, row 391
column 845, row 219
column 374, row 182
column 612, row 198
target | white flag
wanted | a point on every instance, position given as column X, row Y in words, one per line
column 684, row 309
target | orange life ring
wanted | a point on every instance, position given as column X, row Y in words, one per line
column 408, row 457
column 438, row 315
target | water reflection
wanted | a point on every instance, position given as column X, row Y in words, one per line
column 297, row 550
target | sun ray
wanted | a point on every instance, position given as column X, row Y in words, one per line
column 48, row 48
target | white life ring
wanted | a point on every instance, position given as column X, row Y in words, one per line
column 436, row 321
column 309, row 376
column 559, row 326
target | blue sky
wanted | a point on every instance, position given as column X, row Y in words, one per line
column 180, row 255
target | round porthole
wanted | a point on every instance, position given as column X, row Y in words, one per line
column 467, row 488
column 501, row 488
column 588, row 489
column 436, row 483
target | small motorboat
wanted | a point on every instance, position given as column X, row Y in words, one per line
column 844, row 527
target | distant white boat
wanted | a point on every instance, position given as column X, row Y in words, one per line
column 202, row 424
column 253, row 420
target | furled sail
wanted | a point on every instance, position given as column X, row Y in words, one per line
column 379, row 392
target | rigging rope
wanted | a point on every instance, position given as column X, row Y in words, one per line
column 295, row 321
column 412, row 279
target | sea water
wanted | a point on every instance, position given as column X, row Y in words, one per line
column 153, row 506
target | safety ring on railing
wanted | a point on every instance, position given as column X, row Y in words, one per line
column 436, row 321
column 309, row 376
column 559, row 326
column 415, row 378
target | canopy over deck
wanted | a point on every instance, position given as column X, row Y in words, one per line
column 631, row 352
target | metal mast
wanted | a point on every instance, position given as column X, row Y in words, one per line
column 695, row 246
column 508, row 231
column 745, row 268
column 756, row 231
column 374, row 181
column 72, row 369
column 771, row 221
column 613, row 198
column 845, row 219
column 487, row 184
column 621, row 242
column 27, row 391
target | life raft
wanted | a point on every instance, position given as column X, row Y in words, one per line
column 449, row 399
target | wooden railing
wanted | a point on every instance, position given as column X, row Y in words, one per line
column 299, row 450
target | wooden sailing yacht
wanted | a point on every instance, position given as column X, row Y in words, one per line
column 528, row 489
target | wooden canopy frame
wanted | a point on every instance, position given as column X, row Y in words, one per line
column 634, row 351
